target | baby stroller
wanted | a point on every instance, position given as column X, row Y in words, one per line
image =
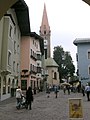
column 22, row 102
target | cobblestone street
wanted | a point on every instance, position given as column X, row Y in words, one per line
column 43, row 108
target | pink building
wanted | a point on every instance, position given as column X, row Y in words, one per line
column 31, row 47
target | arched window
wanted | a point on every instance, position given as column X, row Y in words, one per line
column 55, row 75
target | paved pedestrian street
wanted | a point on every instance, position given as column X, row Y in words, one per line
column 43, row 108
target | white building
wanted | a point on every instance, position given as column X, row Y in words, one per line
column 13, row 25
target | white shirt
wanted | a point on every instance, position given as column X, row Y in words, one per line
column 87, row 88
column 18, row 93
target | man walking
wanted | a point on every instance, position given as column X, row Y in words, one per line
column 87, row 89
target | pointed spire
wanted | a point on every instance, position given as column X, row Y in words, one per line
column 45, row 23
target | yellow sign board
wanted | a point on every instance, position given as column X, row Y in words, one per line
column 75, row 109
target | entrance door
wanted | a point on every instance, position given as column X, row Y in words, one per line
column 24, row 84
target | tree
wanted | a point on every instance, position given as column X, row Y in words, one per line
column 64, row 60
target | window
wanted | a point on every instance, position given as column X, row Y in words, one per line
column 38, row 57
column 18, row 49
column 17, row 68
column 31, row 51
column 89, row 70
column 88, row 54
column 38, row 69
column 9, row 58
column 13, row 66
column 10, row 32
column 55, row 75
column 45, row 32
column 33, row 42
column 33, row 68
column 14, row 46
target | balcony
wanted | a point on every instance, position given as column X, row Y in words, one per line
column 5, row 72
column 33, row 72
column 34, row 57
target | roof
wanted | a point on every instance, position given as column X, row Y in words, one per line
column 44, row 24
column 41, row 40
column 87, row 1
column 50, row 62
column 22, row 13
column 81, row 41
column 4, row 6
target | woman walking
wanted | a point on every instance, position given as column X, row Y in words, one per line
column 29, row 98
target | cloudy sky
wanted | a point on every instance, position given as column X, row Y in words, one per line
column 68, row 20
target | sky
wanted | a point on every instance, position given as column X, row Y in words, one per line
column 68, row 20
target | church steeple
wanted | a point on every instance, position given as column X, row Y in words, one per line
column 45, row 20
column 45, row 33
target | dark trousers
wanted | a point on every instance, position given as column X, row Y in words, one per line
column 28, row 106
column 88, row 94
column 56, row 94
column 18, row 101
column 83, row 92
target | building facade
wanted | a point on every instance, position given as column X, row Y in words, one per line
column 10, row 53
column 53, row 75
column 11, row 32
column 83, row 59
column 32, row 50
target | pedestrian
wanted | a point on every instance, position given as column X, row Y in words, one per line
column 48, row 92
column 29, row 98
column 83, row 89
column 87, row 90
column 18, row 96
column 64, row 89
column 56, row 91
column 68, row 89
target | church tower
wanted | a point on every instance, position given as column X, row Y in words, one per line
column 45, row 33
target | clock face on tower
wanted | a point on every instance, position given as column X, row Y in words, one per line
column 45, row 44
